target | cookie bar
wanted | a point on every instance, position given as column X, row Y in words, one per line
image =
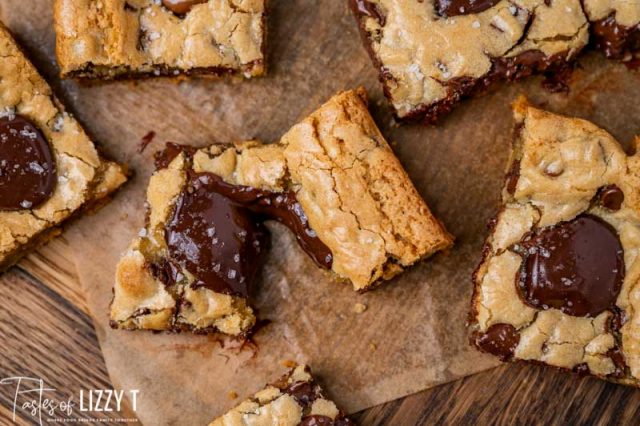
column 110, row 39
column 433, row 53
column 332, row 180
column 558, row 283
column 49, row 168
column 294, row 400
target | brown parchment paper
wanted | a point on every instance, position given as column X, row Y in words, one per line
column 412, row 335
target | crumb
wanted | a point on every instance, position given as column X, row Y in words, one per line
column 289, row 363
column 233, row 395
column 373, row 346
column 359, row 308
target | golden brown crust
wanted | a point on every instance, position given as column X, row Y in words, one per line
column 562, row 163
column 356, row 195
column 143, row 301
column 84, row 177
column 123, row 39
column 430, row 60
column 277, row 404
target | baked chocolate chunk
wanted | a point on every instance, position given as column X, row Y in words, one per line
column 294, row 400
column 332, row 180
column 558, row 283
column 431, row 54
column 136, row 38
column 49, row 168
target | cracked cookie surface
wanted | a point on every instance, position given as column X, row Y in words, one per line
column 130, row 38
column 332, row 179
column 50, row 169
column 433, row 53
column 559, row 276
column 295, row 399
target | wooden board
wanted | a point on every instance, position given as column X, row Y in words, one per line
column 44, row 318
column 45, row 331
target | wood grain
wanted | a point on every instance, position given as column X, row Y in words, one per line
column 45, row 329
column 45, row 334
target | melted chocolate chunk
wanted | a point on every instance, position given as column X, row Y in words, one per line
column 171, row 150
column 210, row 214
column 618, row 319
column 613, row 39
column 617, row 357
column 27, row 165
column 166, row 272
column 367, row 8
column 577, row 267
column 303, row 392
column 500, row 340
column 181, row 7
column 448, row 8
column 610, row 197
column 214, row 239
column 283, row 207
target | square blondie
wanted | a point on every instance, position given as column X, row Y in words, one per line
column 431, row 54
column 293, row 400
column 332, row 180
column 49, row 168
column 558, row 283
column 109, row 39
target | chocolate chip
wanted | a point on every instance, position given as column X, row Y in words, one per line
column 303, row 392
column 500, row 340
column 613, row 39
column 285, row 208
column 217, row 241
column 164, row 157
column 610, row 197
column 448, row 8
column 577, row 267
column 513, row 175
column 181, row 7
column 617, row 356
column 27, row 165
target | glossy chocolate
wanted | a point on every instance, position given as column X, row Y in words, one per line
column 614, row 40
column 283, row 207
column 214, row 239
column 303, row 392
column 617, row 356
column 181, row 7
column 577, row 267
column 208, row 202
column 367, row 8
column 448, row 8
column 171, row 150
column 610, row 197
column 27, row 165
column 500, row 340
